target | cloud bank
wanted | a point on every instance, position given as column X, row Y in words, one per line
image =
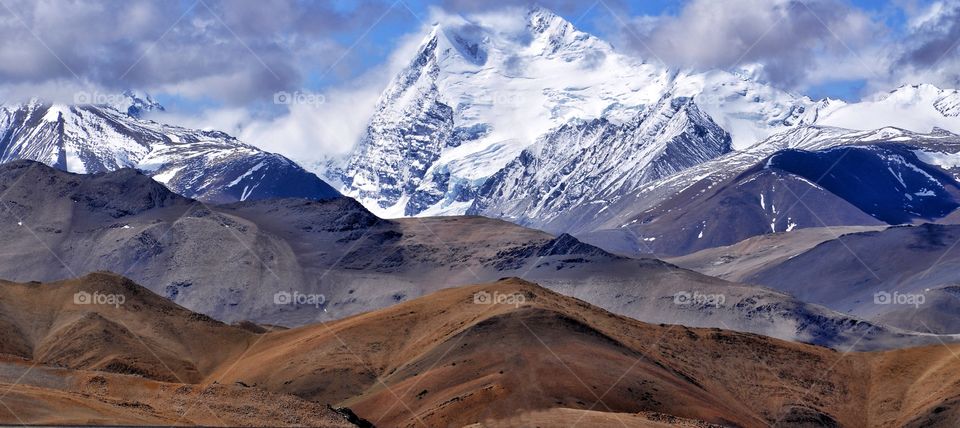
column 229, row 58
column 233, row 51
column 785, row 36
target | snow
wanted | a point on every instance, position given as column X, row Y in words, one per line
column 790, row 225
column 245, row 175
column 394, row 211
column 516, row 83
column 528, row 86
column 54, row 113
column 522, row 79
column 166, row 176
column 897, row 176
column 95, row 138
column 452, row 208
column 247, row 191
column 74, row 163
column 478, row 160
column 943, row 160
column 910, row 107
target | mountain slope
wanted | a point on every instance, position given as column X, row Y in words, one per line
column 102, row 350
column 477, row 94
column 822, row 176
column 207, row 165
column 140, row 333
column 855, row 267
column 907, row 260
column 458, row 361
column 741, row 260
column 50, row 396
column 584, row 163
column 232, row 261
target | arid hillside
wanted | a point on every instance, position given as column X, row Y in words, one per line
column 509, row 353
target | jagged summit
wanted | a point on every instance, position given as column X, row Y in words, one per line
column 479, row 93
column 137, row 103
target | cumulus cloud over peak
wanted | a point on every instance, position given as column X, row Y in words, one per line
column 783, row 35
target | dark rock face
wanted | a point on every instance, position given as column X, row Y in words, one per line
column 792, row 189
column 888, row 182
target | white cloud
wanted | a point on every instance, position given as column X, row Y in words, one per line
column 786, row 36
column 310, row 133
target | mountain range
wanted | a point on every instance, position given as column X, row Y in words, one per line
column 439, row 360
column 231, row 261
column 533, row 229
column 549, row 127
column 207, row 165
column 850, row 179
column 476, row 97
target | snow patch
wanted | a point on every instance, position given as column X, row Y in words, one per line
column 166, row 176
column 246, row 174
column 943, row 160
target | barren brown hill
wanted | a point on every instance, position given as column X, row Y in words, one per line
column 145, row 335
column 444, row 360
column 45, row 395
column 509, row 353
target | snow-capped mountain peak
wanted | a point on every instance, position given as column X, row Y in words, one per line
column 207, row 165
column 918, row 108
column 554, row 35
column 136, row 103
column 133, row 103
column 525, row 117
column 479, row 91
